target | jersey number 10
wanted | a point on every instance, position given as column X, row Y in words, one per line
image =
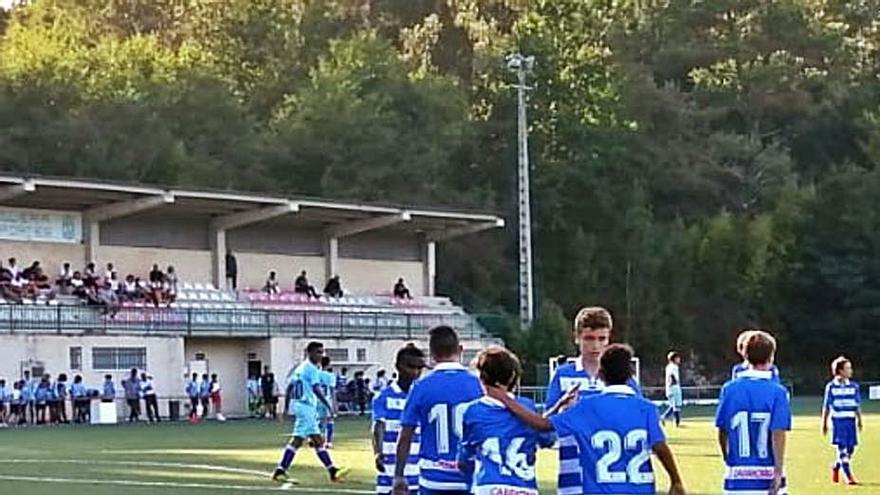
column 439, row 415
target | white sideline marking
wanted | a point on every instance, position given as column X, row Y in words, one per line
column 170, row 484
column 165, row 484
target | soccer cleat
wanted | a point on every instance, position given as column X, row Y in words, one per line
column 328, row 446
column 280, row 476
column 338, row 474
column 835, row 475
column 852, row 481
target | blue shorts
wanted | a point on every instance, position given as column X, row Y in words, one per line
column 845, row 433
column 674, row 396
column 306, row 420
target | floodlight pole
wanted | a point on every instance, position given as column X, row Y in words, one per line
column 522, row 65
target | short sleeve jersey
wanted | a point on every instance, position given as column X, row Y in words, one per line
column 504, row 448
column 750, row 409
column 302, row 383
column 437, row 404
column 673, row 376
column 570, row 478
column 387, row 409
column 615, row 431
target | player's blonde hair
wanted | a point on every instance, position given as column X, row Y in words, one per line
column 593, row 318
column 742, row 339
column 838, row 363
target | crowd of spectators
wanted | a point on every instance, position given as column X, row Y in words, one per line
column 46, row 400
column 105, row 289
column 333, row 288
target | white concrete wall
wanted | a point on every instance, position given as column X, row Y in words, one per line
column 190, row 265
column 374, row 276
column 51, row 255
column 253, row 268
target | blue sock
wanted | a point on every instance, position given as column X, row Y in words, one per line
column 844, row 461
column 287, row 457
column 324, row 456
column 330, row 427
column 677, row 415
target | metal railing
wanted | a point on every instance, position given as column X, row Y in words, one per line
column 238, row 322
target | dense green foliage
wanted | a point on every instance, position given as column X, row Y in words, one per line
column 698, row 166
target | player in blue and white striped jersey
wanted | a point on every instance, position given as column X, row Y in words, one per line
column 387, row 409
column 843, row 404
column 436, row 405
column 592, row 328
column 753, row 417
column 496, row 446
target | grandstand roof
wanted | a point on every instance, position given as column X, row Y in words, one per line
column 103, row 200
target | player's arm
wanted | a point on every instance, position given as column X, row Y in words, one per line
column 320, row 395
column 409, row 420
column 826, row 409
column 859, row 408
column 723, row 443
column 522, row 413
column 661, row 450
column 778, row 438
column 404, row 441
column 378, row 438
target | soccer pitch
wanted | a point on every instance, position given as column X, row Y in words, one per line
column 238, row 456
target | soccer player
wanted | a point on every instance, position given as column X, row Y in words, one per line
column 436, row 405
column 502, row 448
column 325, row 416
column 592, row 333
column 5, row 397
column 387, row 410
column 753, row 417
column 843, row 403
column 738, row 368
column 615, row 431
column 306, row 393
column 673, row 388
column 192, row 393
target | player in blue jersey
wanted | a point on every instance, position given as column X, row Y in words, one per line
column 387, row 409
column 305, row 393
column 615, row 431
column 843, row 404
column 436, row 406
column 326, row 416
column 496, row 443
column 592, row 332
column 743, row 365
column 753, row 417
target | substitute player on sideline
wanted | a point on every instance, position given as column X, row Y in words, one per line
column 306, row 393
column 436, row 405
column 501, row 448
column 592, row 334
column 843, row 402
column 615, row 430
column 326, row 416
column 387, row 410
column 673, row 388
column 753, row 417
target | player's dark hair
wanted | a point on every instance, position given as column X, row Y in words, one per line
column 325, row 362
column 760, row 347
column 498, row 366
column 615, row 364
column 409, row 352
column 313, row 346
column 838, row 364
column 443, row 341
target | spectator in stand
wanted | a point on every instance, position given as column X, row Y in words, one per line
column 129, row 290
column 108, row 274
column 132, row 388
column 170, row 284
column 28, row 272
column 231, row 270
column 157, row 285
column 12, row 267
column 106, row 297
column 401, row 291
column 113, row 283
column 64, row 278
column 151, row 402
column 80, row 400
column 192, row 392
column 7, row 290
column 301, row 286
column 78, row 285
column 217, row 398
column 271, row 286
column 43, row 285
column 90, row 275
column 333, row 287
column 108, row 390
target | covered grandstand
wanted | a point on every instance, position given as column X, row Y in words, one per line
column 209, row 326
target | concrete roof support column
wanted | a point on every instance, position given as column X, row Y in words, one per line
column 429, row 264
column 218, row 258
column 331, row 257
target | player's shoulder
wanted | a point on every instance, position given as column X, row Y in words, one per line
column 567, row 369
column 527, row 402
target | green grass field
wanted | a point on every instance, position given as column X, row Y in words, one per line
column 236, row 457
